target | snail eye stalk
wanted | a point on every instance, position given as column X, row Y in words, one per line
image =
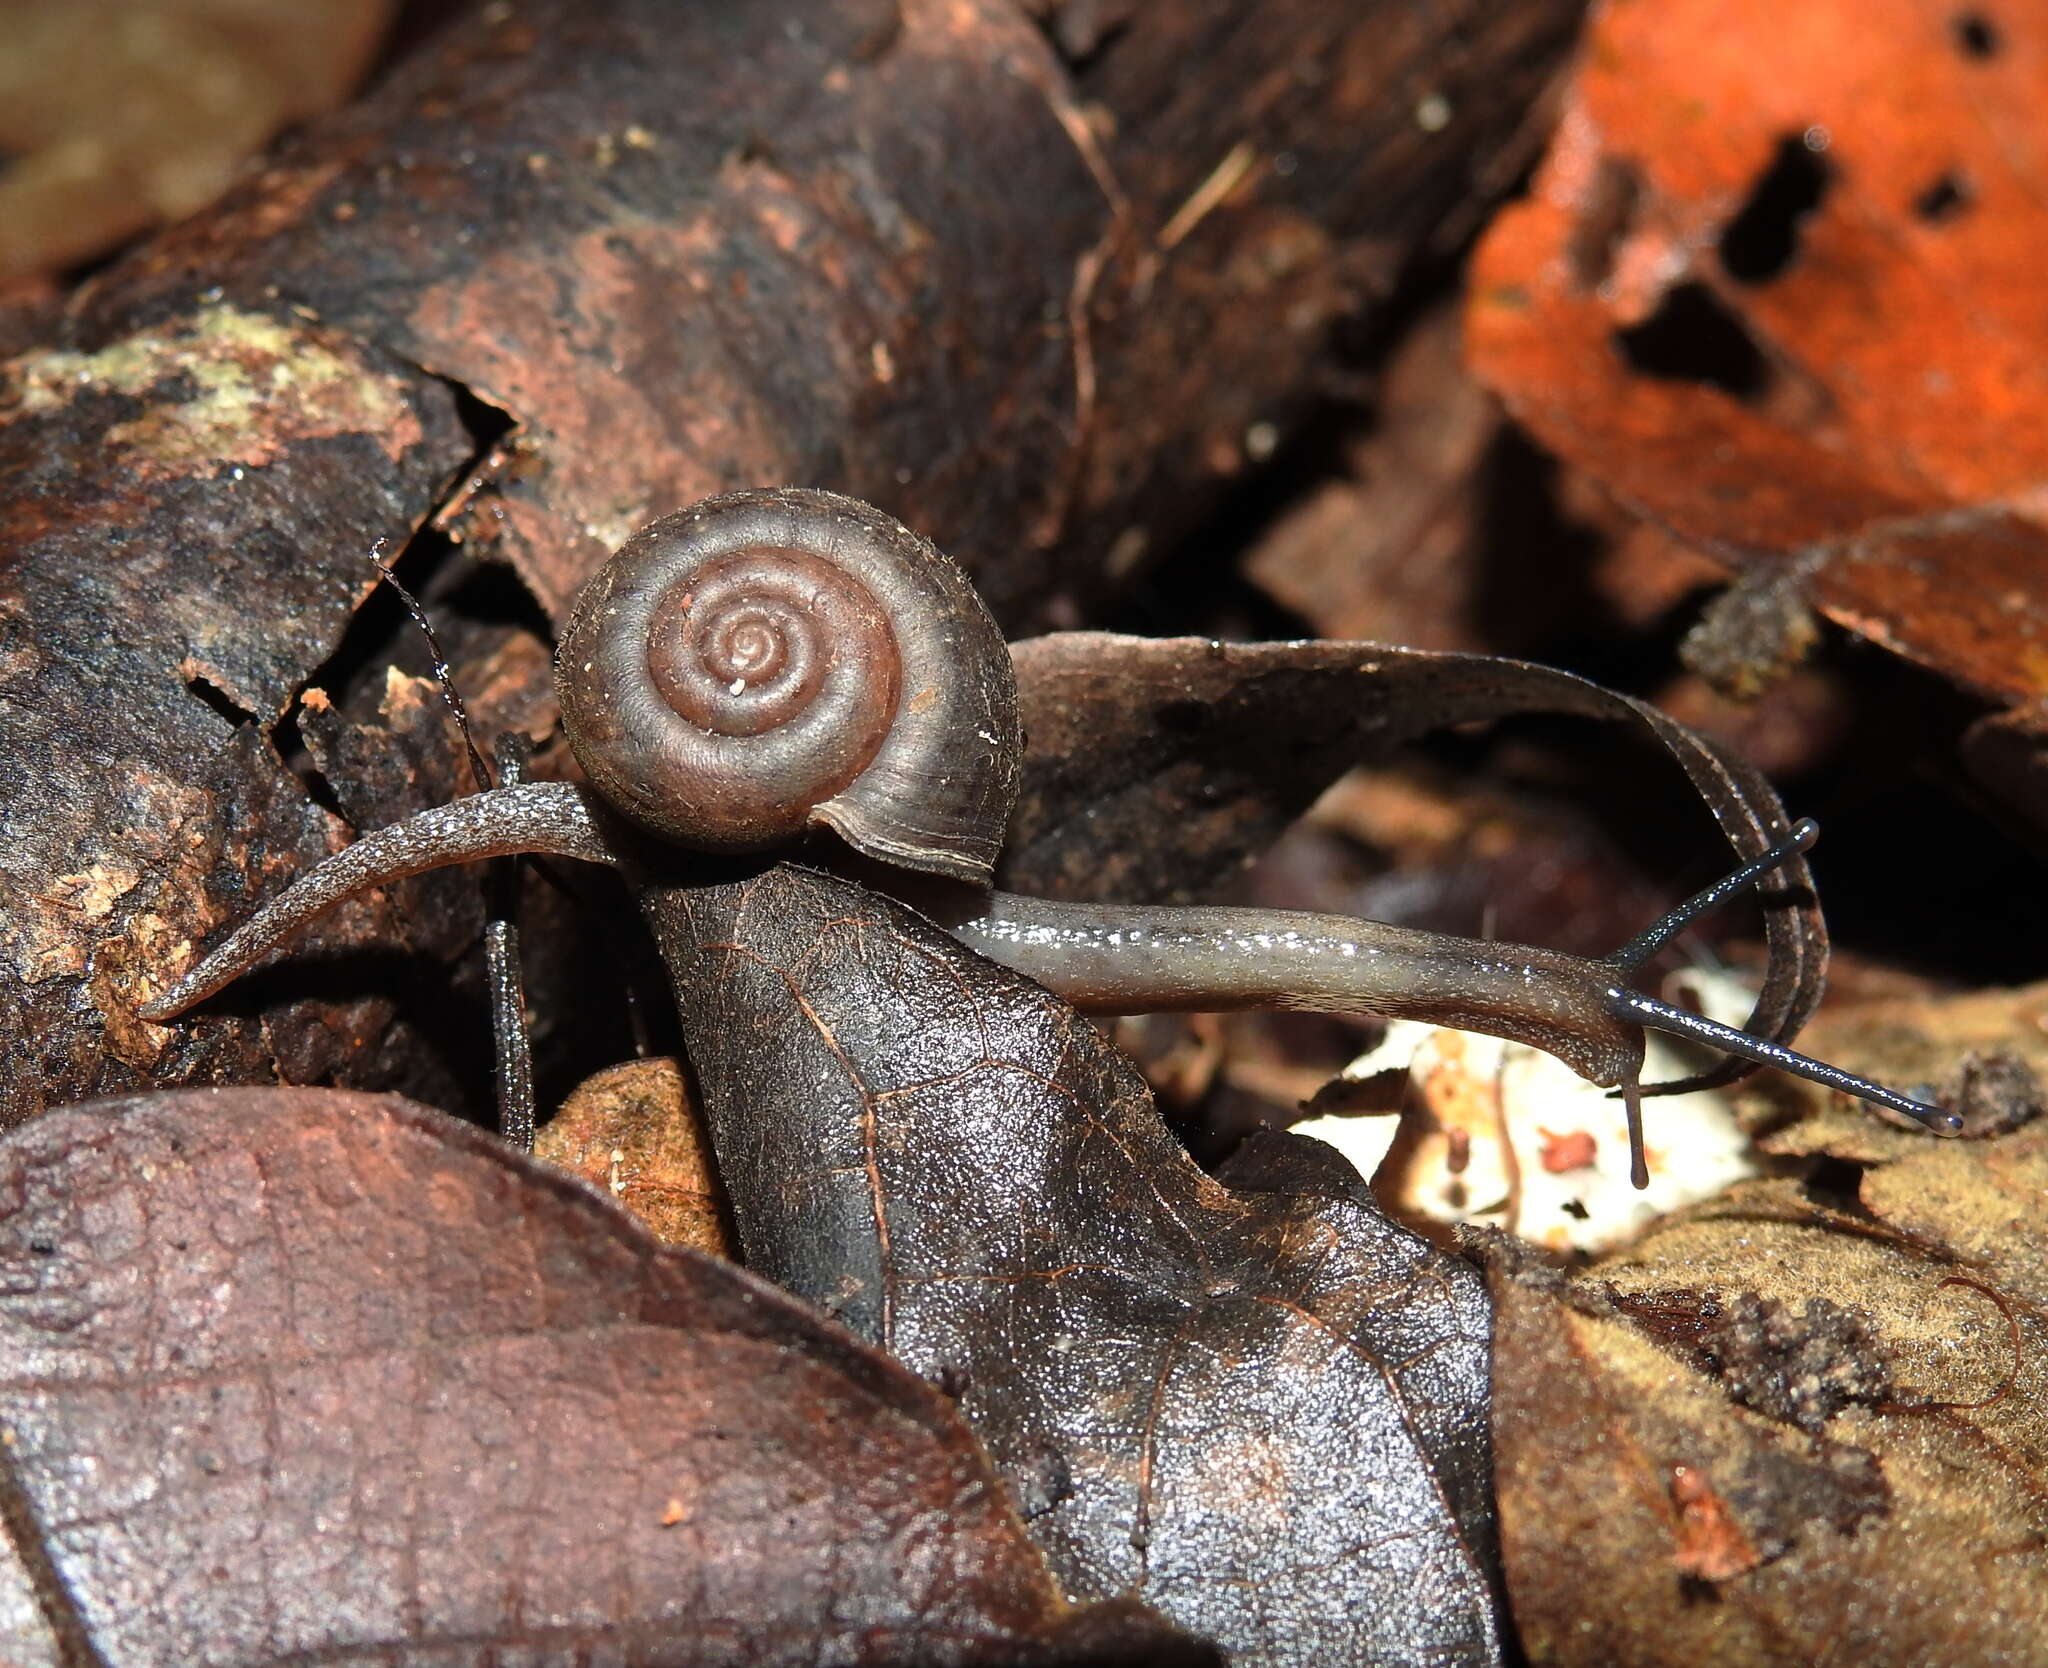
column 1646, row 1011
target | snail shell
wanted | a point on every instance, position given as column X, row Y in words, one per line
column 771, row 660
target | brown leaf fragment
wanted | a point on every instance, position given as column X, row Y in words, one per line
column 1710, row 1544
column 1860, row 1415
column 1159, row 766
column 302, row 1375
column 1984, row 1205
column 1393, row 547
column 633, row 1133
column 1260, row 1412
column 1624, row 1479
column 1995, row 1090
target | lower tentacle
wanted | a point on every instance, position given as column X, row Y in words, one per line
column 553, row 819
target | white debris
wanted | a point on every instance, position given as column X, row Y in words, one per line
column 1500, row 1133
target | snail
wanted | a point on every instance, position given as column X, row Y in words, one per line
column 775, row 661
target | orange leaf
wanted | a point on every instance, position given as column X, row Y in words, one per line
column 1778, row 286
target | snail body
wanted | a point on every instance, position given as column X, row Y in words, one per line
column 768, row 662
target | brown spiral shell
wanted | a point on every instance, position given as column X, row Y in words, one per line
column 769, row 660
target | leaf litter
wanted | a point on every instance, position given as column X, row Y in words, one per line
column 292, row 1374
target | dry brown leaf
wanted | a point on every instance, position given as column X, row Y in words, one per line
column 633, row 1132
column 1797, row 1426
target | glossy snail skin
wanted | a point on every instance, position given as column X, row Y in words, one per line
column 769, row 661
column 1103, row 958
column 1116, row 959
column 552, row 819
column 1110, row 958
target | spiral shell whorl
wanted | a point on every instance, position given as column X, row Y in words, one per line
column 769, row 660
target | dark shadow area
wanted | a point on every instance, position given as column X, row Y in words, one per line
column 290, row 742
column 218, row 701
column 417, row 25
column 1535, row 597
column 439, row 1034
column 1197, row 588
column 1836, row 1184
column 1763, row 239
column 1912, row 873
column 1975, row 35
column 1693, row 337
column 592, row 972
column 1944, row 200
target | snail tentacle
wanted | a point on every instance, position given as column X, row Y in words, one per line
column 551, row 819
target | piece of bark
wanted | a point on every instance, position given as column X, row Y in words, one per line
column 294, row 1375
column 179, row 550
column 572, row 265
column 817, row 274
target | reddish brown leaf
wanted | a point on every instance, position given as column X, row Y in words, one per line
column 1778, row 287
column 298, row 1375
column 1261, row 1412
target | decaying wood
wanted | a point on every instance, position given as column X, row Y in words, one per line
column 573, row 265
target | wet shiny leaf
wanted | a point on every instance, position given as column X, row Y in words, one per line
column 1261, row 1412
